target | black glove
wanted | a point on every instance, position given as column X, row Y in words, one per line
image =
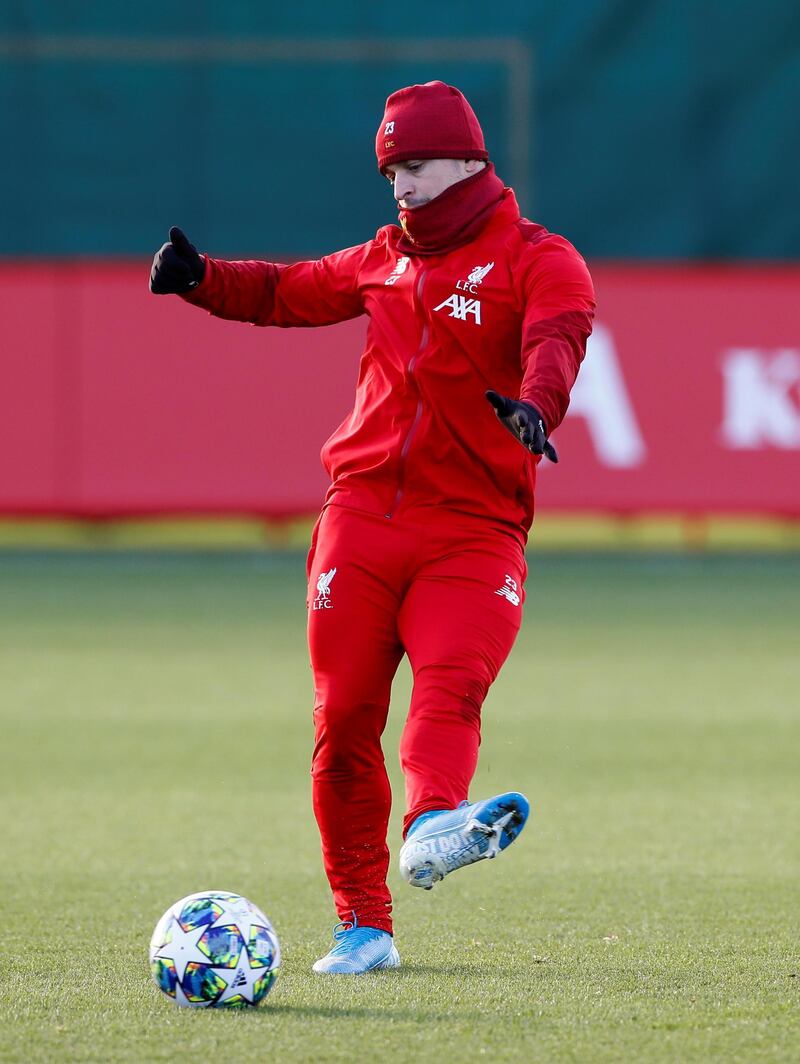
column 525, row 422
column 177, row 267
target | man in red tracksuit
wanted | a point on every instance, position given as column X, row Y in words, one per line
column 419, row 549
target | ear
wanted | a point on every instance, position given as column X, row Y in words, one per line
column 472, row 166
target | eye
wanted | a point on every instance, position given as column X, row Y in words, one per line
column 415, row 167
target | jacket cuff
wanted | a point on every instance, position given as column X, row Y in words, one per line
column 198, row 295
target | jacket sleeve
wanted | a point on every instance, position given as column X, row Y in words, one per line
column 559, row 309
column 318, row 292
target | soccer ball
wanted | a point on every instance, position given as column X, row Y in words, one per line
column 214, row 949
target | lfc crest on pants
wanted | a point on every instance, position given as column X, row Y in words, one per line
column 323, row 599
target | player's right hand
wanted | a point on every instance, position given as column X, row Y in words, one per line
column 177, row 266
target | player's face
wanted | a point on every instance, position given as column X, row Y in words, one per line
column 418, row 181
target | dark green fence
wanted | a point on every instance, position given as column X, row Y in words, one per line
column 661, row 129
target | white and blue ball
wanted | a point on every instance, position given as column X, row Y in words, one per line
column 214, row 949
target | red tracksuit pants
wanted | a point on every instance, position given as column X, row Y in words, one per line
column 448, row 593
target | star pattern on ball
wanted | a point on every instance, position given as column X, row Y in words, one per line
column 240, row 979
column 182, row 947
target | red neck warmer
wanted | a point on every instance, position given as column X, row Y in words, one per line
column 454, row 217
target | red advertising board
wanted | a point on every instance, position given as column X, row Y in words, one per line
column 115, row 402
column 689, row 398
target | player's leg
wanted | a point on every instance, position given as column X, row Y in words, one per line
column 355, row 651
column 458, row 622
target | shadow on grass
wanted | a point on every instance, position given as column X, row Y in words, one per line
column 409, row 973
column 334, row 1012
column 463, row 971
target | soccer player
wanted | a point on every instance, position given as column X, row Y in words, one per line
column 477, row 324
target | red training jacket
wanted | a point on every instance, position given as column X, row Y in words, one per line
column 511, row 310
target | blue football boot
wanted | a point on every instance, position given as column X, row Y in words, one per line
column 441, row 841
column 358, row 950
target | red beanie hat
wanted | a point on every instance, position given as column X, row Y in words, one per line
column 431, row 121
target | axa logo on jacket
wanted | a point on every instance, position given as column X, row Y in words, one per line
column 461, row 306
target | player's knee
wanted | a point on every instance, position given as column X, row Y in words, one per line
column 442, row 691
column 347, row 737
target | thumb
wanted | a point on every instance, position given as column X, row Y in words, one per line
column 181, row 243
column 503, row 407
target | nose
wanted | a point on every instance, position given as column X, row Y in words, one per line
column 403, row 186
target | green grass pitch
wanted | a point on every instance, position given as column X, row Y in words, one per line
column 154, row 740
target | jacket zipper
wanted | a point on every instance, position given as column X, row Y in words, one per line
column 418, row 414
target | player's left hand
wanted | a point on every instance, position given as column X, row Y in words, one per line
column 525, row 422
